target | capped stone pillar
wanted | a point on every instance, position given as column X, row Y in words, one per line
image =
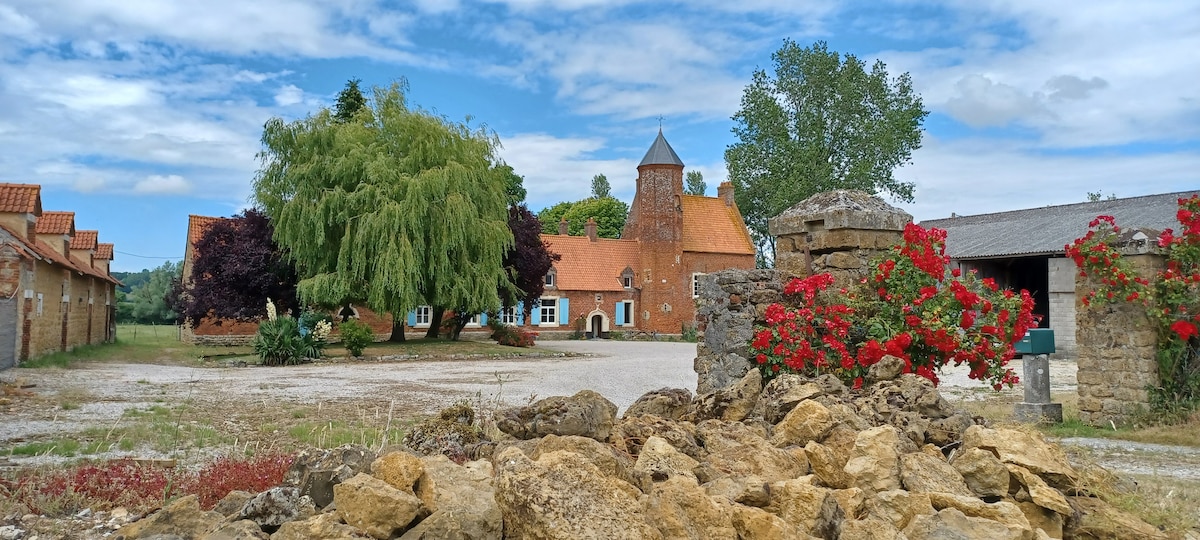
column 838, row 232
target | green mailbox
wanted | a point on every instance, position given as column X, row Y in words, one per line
column 1036, row 341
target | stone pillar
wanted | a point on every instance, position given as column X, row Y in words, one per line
column 838, row 232
column 730, row 303
column 1035, row 378
column 1116, row 346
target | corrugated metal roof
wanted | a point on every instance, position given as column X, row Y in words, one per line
column 1043, row 231
column 661, row 153
column 591, row 266
column 711, row 226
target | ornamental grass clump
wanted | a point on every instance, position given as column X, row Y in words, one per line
column 1171, row 297
column 913, row 306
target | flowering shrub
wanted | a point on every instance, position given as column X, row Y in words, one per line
column 283, row 341
column 511, row 336
column 356, row 336
column 1172, row 297
column 912, row 307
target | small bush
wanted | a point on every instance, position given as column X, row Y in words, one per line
column 511, row 336
column 278, row 342
column 355, row 336
column 689, row 333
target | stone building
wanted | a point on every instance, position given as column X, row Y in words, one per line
column 55, row 289
column 647, row 280
column 1024, row 249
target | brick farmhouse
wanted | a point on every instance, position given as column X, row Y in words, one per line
column 643, row 282
column 56, row 292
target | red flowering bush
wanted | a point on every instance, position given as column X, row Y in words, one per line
column 1172, row 297
column 512, row 336
column 912, row 307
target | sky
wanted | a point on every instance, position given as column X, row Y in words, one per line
column 136, row 113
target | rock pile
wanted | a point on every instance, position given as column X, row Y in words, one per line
column 796, row 458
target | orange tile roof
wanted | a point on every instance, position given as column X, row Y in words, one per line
column 56, row 223
column 591, row 266
column 196, row 227
column 710, row 226
column 21, row 198
column 42, row 250
column 104, row 252
column 85, row 239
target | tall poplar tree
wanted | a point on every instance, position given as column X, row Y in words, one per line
column 821, row 121
column 404, row 209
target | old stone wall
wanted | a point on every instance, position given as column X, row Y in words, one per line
column 1116, row 351
column 730, row 303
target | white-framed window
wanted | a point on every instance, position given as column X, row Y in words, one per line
column 474, row 320
column 424, row 315
column 551, row 278
column 627, row 315
column 548, row 312
column 696, row 284
column 627, row 282
column 39, row 304
column 508, row 315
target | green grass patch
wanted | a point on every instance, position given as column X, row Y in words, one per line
column 137, row 343
column 60, row 447
column 335, row 433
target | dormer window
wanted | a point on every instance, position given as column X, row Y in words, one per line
column 627, row 278
column 551, row 278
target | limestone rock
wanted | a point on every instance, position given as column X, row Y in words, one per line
column 399, row 469
column 670, row 403
column 732, row 403
column 586, row 414
column 944, row 432
column 898, row 507
column 182, row 518
column 923, row 473
column 1100, row 521
column 870, row 529
column 564, row 496
column 887, row 368
column 461, row 498
column 1049, row 521
column 814, row 509
column 680, row 509
column 632, row 432
column 828, row 466
column 807, row 421
column 375, row 507
column 238, row 530
column 984, row 474
column 277, row 506
column 327, row 526
column 316, row 471
column 1042, row 495
column 738, row 450
column 659, row 461
column 911, row 425
column 852, row 501
column 1027, row 450
column 1000, row 511
column 451, row 434
column 953, row 524
column 747, row 490
column 232, row 502
column 757, row 524
column 784, row 392
column 603, row 456
column 874, row 464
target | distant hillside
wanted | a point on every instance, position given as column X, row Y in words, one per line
column 132, row 280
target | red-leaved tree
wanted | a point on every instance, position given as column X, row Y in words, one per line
column 528, row 260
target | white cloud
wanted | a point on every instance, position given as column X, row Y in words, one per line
column 157, row 184
column 1072, row 87
column 90, row 184
column 561, row 169
column 981, row 103
column 289, row 95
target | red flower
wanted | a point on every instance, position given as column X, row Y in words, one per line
column 1166, row 237
column 1186, row 330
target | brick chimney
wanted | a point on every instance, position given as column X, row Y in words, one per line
column 725, row 192
column 562, row 227
column 590, row 228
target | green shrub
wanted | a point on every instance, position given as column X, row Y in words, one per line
column 355, row 336
column 689, row 333
column 278, row 342
column 511, row 336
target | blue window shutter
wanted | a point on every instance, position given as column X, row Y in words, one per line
column 520, row 313
column 412, row 318
column 620, row 313
column 536, row 315
column 564, row 316
column 483, row 319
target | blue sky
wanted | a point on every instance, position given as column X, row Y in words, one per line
column 136, row 113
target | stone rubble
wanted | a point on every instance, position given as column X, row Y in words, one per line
column 796, row 458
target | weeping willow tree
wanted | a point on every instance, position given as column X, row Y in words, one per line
column 394, row 209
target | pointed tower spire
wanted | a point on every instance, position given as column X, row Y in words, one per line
column 661, row 153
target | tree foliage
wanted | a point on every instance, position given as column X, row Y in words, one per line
column 600, row 187
column 819, row 122
column 528, row 261
column 550, row 216
column 694, row 183
column 406, row 208
column 148, row 302
column 349, row 101
column 236, row 268
column 514, row 184
column 609, row 213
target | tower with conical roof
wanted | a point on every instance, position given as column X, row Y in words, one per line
column 656, row 221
